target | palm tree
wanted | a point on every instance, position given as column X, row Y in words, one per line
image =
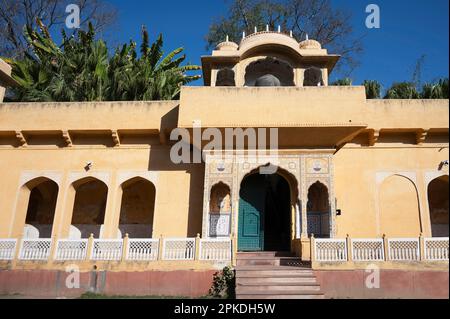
column 373, row 89
column 82, row 70
column 437, row 90
column 402, row 90
column 343, row 82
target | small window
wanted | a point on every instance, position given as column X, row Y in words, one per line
column 225, row 77
column 313, row 77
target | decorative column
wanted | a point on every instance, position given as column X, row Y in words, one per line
column 298, row 230
column 303, row 200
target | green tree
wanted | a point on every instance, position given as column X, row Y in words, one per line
column 402, row 90
column 81, row 69
column 373, row 89
column 317, row 18
column 343, row 82
column 437, row 90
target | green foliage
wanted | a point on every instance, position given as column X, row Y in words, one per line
column 343, row 82
column 81, row 69
column 402, row 90
column 437, row 90
column 373, row 89
column 224, row 284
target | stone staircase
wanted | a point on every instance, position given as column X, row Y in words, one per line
column 275, row 275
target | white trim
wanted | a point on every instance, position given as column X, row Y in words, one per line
column 9, row 253
column 380, row 241
column 74, row 176
column 82, row 255
column 404, row 240
column 126, row 175
column 186, row 240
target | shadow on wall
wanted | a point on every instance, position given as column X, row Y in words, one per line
column 160, row 161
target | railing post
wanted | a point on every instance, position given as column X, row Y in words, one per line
column 386, row 248
column 90, row 247
column 313, row 248
column 126, row 242
column 422, row 251
column 197, row 247
column 349, row 248
column 160, row 248
column 17, row 250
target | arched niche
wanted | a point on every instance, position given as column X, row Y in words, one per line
column 36, row 208
column 269, row 72
column 438, row 199
column 220, row 210
column 220, row 199
column 137, row 208
column 318, row 210
column 89, row 206
column 399, row 203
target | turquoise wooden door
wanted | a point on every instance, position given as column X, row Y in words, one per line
column 251, row 215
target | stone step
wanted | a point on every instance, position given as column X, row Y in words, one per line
column 269, row 261
column 272, row 273
column 264, row 281
column 278, row 296
column 265, row 254
column 275, row 275
column 262, row 267
column 275, row 289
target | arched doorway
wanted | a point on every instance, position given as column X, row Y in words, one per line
column 264, row 213
column 438, row 203
column 43, row 194
column 137, row 208
column 89, row 206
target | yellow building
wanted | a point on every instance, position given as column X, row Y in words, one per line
column 353, row 183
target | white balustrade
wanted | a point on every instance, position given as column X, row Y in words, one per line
column 215, row 249
column 142, row 249
column 404, row 249
column 368, row 249
column 436, row 249
column 35, row 249
column 71, row 249
column 7, row 249
column 330, row 250
column 107, row 249
column 179, row 249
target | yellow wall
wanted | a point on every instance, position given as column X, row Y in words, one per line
column 374, row 203
column 179, row 190
column 318, row 116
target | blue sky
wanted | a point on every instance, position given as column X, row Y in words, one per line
column 409, row 29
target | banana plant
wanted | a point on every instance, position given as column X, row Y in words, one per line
column 81, row 69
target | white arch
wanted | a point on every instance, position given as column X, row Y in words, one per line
column 105, row 177
column 29, row 176
column 123, row 176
